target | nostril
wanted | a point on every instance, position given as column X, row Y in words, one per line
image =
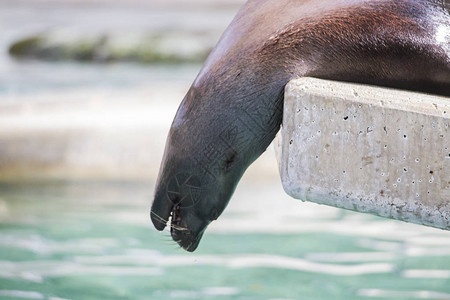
column 230, row 160
column 214, row 214
column 176, row 199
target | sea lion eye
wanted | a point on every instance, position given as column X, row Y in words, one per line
column 230, row 159
column 214, row 214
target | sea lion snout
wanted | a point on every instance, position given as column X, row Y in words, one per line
column 188, row 202
column 186, row 228
column 193, row 191
column 205, row 156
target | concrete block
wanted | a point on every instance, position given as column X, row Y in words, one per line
column 368, row 149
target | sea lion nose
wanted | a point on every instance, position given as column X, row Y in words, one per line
column 161, row 209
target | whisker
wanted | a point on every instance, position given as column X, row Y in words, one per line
column 166, row 222
column 179, row 228
column 158, row 218
column 188, row 247
column 177, row 246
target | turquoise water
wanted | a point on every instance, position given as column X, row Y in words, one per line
column 33, row 80
column 95, row 241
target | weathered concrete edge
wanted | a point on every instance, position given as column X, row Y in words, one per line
column 431, row 105
column 438, row 217
column 77, row 139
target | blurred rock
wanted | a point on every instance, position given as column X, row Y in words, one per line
column 146, row 47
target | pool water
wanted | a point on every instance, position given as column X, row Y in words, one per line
column 95, row 241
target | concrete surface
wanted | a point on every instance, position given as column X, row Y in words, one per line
column 367, row 149
column 100, row 136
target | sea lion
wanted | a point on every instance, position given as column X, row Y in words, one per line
column 234, row 108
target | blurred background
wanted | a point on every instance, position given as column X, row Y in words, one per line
column 88, row 90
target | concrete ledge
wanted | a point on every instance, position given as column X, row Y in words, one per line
column 103, row 138
column 367, row 149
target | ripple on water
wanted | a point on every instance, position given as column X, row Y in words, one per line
column 21, row 294
column 38, row 244
column 243, row 261
column 209, row 291
column 436, row 274
column 27, row 295
column 402, row 294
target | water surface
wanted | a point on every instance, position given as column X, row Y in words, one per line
column 95, row 241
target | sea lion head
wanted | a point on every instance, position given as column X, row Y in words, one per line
column 227, row 119
column 220, row 128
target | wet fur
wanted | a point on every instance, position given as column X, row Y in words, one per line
column 411, row 60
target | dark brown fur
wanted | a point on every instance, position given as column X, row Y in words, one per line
column 410, row 60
